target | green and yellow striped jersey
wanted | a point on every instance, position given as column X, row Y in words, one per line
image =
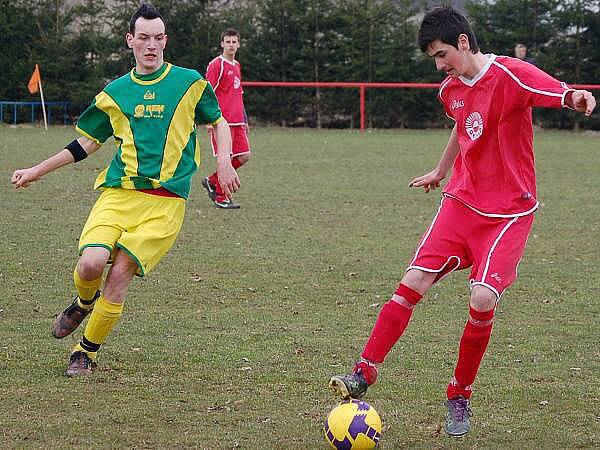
column 152, row 118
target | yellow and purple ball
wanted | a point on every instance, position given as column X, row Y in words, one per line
column 353, row 425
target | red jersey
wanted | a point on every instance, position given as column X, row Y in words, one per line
column 494, row 171
column 226, row 79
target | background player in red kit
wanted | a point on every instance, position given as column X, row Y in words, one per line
column 224, row 73
column 487, row 206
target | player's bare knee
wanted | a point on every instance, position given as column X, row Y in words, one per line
column 91, row 264
column 117, row 283
column 119, row 276
column 418, row 280
column 482, row 298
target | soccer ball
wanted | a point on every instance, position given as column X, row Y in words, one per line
column 353, row 425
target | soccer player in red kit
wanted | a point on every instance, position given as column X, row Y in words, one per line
column 224, row 73
column 487, row 206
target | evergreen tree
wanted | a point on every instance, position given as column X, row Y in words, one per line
column 17, row 44
column 574, row 53
column 276, row 54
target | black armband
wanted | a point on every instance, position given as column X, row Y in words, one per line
column 77, row 150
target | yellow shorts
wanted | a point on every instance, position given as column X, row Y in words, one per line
column 145, row 226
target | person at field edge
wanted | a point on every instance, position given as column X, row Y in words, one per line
column 487, row 206
column 521, row 53
column 151, row 113
column 225, row 75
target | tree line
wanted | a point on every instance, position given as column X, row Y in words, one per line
column 80, row 47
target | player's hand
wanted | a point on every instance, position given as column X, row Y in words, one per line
column 228, row 177
column 583, row 101
column 22, row 178
column 210, row 129
column 429, row 181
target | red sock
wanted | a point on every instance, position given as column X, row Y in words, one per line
column 214, row 179
column 368, row 370
column 391, row 323
column 236, row 163
column 473, row 344
column 219, row 194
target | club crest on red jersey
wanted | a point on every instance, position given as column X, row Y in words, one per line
column 474, row 125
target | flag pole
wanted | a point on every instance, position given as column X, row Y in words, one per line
column 43, row 105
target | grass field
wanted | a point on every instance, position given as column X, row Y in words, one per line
column 230, row 342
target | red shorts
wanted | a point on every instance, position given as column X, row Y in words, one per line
column 459, row 237
column 239, row 140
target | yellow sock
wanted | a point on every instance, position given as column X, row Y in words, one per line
column 86, row 290
column 104, row 317
column 79, row 348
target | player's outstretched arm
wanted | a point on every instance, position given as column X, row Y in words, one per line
column 73, row 152
column 228, row 177
column 582, row 101
column 431, row 180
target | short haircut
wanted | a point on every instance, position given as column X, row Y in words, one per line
column 146, row 11
column 445, row 24
column 230, row 32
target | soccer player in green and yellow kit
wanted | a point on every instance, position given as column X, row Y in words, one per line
column 151, row 113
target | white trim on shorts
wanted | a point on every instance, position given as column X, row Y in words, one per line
column 494, row 215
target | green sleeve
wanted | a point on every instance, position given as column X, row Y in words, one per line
column 207, row 109
column 95, row 124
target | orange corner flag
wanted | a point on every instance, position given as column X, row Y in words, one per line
column 35, row 80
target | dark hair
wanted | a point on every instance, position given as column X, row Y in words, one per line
column 230, row 32
column 147, row 11
column 445, row 24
